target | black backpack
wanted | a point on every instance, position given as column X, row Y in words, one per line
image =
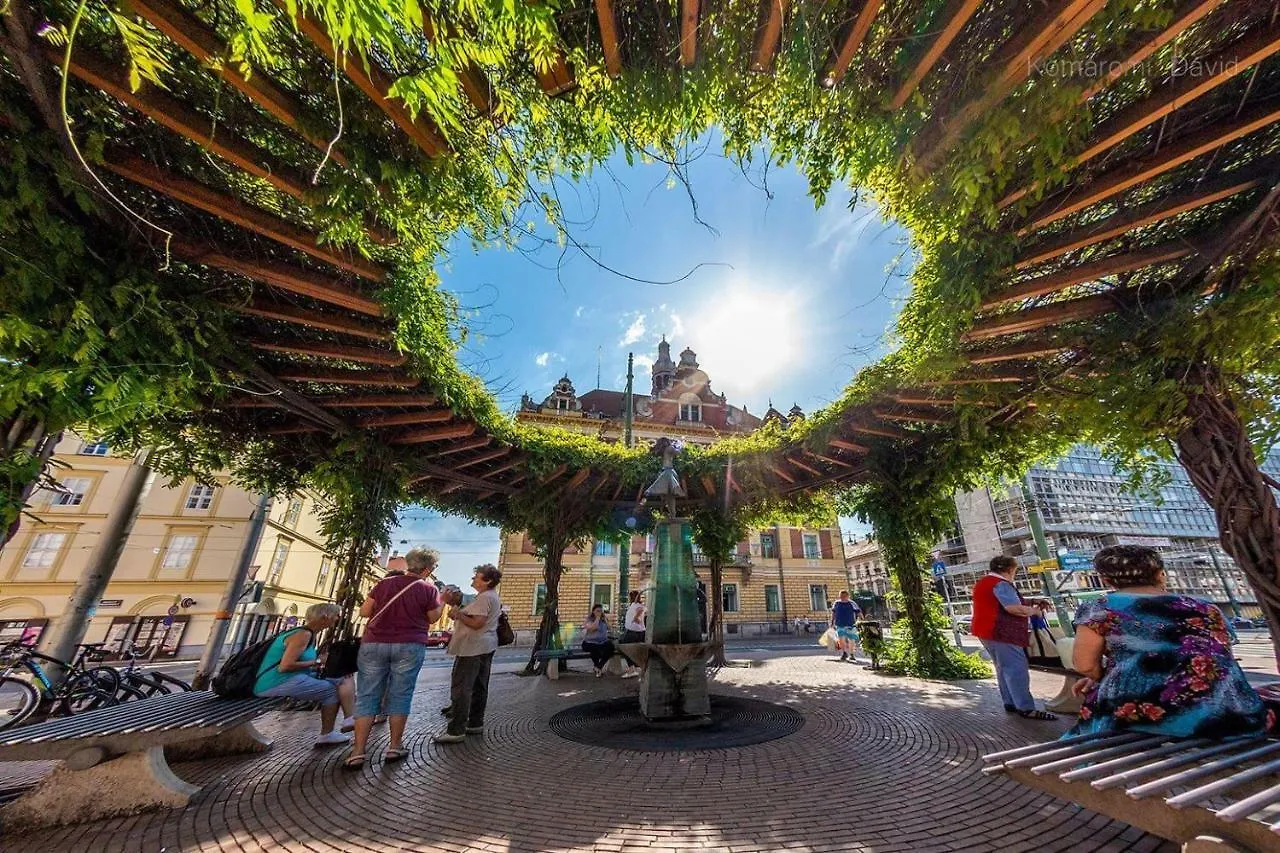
column 238, row 675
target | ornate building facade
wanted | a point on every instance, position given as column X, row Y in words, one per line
column 774, row 575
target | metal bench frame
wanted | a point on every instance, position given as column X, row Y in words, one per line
column 115, row 760
column 1182, row 790
column 554, row 658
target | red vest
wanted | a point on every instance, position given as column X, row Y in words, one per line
column 991, row 621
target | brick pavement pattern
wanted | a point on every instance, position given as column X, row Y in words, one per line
column 881, row 765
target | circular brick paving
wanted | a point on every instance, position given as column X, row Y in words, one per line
column 617, row 724
column 879, row 765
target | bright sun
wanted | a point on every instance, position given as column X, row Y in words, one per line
column 747, row 338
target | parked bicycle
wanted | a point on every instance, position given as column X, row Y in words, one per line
column 150, row 683
column 24, row 694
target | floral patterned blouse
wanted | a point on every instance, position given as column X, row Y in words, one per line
column 1167, row 669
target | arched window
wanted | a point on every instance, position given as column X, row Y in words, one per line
column 690, row 408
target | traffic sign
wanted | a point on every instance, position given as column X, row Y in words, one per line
column 939, row 568
column 1070, row 562
column 1041, row 567
column 173, row 610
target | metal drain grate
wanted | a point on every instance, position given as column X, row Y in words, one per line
column 617, row 724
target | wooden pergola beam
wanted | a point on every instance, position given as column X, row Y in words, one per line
column 371, row 401
column 284, row 276
column 1186, row 15
column 231, row 209
column 782, row 473
column 463, row 446
column 300, row 373
column 609, row 37
column 1148, row 214
column 1015, row 62
column 1235, row 58
column 1117, row 181
column 993, row 379
column 483, row 458
column 851, row 446
column 429, row 416
column 176, row 116
column 272, row 310
column 1071, row 276
column 1040, row 318
column 803, row 467
column 436, row 472
column 555, row 474
column 854, row 36
column 830, row 460
column 956, row 15
column 557, row 79
column 189, row 33
column 325, row 349
column 293, row 429
column 1018, row 352
column 689, row 10
column 881, row 430
column 440, row 433
column 504, row 467
column 475, row 85
column 708, row 485
column 768, row 36
column 375, row 83
column 908, row 399
column 912, row 417
column 577, row 479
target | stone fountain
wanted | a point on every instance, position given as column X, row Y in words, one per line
column 673, row 658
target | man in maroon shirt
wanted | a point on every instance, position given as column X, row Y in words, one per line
column 400, row 610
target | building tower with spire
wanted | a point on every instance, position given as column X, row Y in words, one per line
column 664, row 369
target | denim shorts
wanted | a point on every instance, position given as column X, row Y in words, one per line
column 390, row 669
column 307, row 688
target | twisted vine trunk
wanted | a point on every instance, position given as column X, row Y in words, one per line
column 549, row 626
column 1215, row 450
column 26, row 448
column 715, row 627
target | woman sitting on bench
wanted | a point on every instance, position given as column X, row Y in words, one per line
column 1157, row 662
column 288, row 670
column 595, row 639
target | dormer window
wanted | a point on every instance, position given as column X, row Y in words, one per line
column 562, row 405
column 691, row 412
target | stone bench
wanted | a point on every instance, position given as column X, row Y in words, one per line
column 115, row 760
column 1209, row 796
column 555, row 657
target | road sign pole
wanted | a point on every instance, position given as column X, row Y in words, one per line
column 1042, row 548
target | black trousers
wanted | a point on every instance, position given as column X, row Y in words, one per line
column 600, row 652
column 469, row 692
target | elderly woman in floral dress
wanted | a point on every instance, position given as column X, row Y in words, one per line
column 1158, row 662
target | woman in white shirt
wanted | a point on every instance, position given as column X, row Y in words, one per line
column 633, row 627
column 475, row 639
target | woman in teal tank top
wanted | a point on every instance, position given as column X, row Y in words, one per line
column 288, row 670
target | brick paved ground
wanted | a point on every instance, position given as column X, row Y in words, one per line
column 880, row 765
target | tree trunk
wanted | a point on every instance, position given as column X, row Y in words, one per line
column 715, row 627
column 24, row 457
column 1215, row 450
column 549, row 627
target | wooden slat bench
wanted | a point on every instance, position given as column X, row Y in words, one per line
column 1206, row 795
column 115, row 760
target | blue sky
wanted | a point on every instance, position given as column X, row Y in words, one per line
column 781, row 301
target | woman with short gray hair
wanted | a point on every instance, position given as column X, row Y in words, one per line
column 288, row 670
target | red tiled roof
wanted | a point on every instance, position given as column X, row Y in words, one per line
column 610, row 404
column 397, row 564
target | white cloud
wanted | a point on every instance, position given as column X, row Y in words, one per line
column 677, row 325
column 840, row 229
column 542, row 359
column 634, row 332
column 577, row 312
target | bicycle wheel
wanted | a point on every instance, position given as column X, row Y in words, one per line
column 83, row 693
column 106, row 678
column 172, row 684
column 129, row 693
column 147, row 683
column 18, row 701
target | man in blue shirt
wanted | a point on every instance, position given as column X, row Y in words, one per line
column 844, row 618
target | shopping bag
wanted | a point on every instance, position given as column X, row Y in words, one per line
column 1042, row 648
column 828, row 638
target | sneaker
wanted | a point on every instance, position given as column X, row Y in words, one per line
column 332, row 739
column 599, row 672
column 631, row 673
column 348, row 724
column 445, row 737
column 844, row 656
column 475, row 730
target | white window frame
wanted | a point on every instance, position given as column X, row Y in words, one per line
column 293, row 513
column 326, row 566
column 814, row 553
column 691, row 412
column 278, row 559
column 200, row 497
column 773, row 542
column 605, row 548
column 596, row 599
column 826, row 599
column 179, row 559
column 43, row 551
column 74, row 491
column 725, row 590
column 95, row 448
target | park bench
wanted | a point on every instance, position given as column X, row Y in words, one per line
column 555, row 657
column 1209, row 796
column 115, row 760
